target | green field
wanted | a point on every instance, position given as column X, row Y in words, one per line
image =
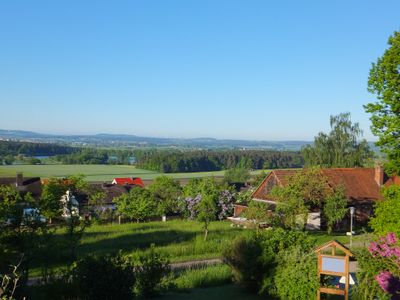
column 96, row 172
column 179, row 240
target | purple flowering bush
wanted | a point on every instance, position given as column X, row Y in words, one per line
column 379, row 275
column 224, row 205
column 191, row 209
column 387, row 252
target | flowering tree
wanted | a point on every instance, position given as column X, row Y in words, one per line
column 191, row 210
column 225, row 204
column 206, row 201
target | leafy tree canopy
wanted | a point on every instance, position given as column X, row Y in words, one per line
column 166, row 192
column 138, row 204
column 384, row 82
column 237, row 175
column 387, row 212
column 305, row 190
column 340, row 148
column 335, row 207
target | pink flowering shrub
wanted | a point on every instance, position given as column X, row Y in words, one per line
column 387, row 253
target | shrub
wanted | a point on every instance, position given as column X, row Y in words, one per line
column 367, row 287
column 380, row 269
column 104, row 277
column 296, row 275
column 151, row 270
column 387, row 212
column 244, row 256
column 254, row 258
column 138, row 204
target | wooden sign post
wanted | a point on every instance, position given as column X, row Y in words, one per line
column 333, row 259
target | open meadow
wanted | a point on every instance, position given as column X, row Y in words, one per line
column 98, row 172
column 179, row 240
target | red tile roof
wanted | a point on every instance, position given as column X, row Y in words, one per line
column 359, row 183
column 393, row 180
column 128, row 181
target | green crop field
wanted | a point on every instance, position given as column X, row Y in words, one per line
column 96, row 172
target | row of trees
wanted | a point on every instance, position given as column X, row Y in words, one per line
column 214, row 160
column 14, row 148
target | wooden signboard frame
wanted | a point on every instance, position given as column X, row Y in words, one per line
column 324, row 270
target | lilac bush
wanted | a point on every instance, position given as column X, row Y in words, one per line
column 225, row 204
column 191, row 206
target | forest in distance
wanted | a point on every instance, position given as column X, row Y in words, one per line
column 165, row 160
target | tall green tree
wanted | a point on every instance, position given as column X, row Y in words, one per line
column 138, row 204
column 166, row 192
column 202, row 197
column 335, row 207
column 51, row 206
column 305, row 190
column 237, row 175
column 340, row 148
column 386, row 218
column 384, row 82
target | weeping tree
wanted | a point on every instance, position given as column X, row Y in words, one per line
column 341, row 147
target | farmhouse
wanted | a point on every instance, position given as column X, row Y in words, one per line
column 361, row 186
column 110, row 192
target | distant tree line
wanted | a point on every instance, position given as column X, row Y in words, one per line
column 160, row 160
column 214, row 160
column 33, row 149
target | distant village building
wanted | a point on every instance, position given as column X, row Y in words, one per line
column 362, row 187
column 128, row 181
column 24, row 185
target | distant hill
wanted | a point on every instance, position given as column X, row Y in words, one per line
column 126, row 140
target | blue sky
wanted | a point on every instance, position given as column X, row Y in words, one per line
column 265, row 70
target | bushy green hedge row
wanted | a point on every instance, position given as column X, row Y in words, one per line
column 110, row 277
column 277, row 262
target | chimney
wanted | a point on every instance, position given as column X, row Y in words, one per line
column 379, row 175
column 20, row 179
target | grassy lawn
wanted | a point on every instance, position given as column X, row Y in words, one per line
column 178, row 239
column 96, row 172
column 359, row 240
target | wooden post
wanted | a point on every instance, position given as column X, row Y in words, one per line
column 346, row 289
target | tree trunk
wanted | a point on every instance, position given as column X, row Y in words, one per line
column 205, row 234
